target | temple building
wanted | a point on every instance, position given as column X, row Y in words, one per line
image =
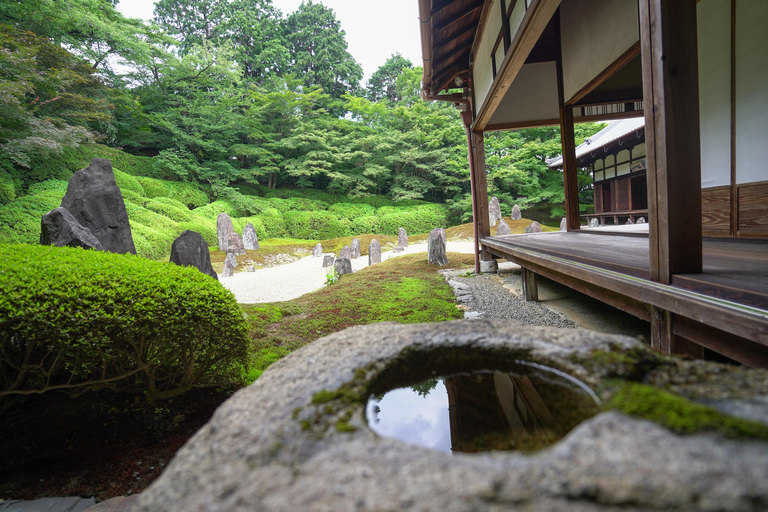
column 697, row 74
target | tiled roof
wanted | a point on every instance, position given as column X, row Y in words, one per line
column 615, row 130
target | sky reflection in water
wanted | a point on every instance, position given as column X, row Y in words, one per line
column 415, row 419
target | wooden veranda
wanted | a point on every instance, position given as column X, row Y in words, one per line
column 724, row 308
column 525, row 63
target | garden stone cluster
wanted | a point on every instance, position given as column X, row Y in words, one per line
column 92, row 213
column 297, row 440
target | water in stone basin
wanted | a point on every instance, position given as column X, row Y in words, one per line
column 526, row 409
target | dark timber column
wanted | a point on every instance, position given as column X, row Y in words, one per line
column 481, row 191
column 671, row 97
column 567, row 139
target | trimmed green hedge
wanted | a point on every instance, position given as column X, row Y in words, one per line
column 77, row 319
column 314, row 225
column 190, row 194
column 352, row 211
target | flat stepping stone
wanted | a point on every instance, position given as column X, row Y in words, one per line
column 70, row 504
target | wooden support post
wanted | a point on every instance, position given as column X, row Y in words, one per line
column 530, row 286
column 664, row 339
column 671, row 99
column 481, row 191
column 568, row 141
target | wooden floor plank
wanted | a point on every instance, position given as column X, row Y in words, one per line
column 733, row 270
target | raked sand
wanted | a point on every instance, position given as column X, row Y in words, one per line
column 306, row 275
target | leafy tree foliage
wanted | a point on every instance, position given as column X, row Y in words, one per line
column 318, row 50
column 383, row 82
column 49, row 99
column 247, row 98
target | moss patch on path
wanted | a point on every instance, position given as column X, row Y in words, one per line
column 405, row 289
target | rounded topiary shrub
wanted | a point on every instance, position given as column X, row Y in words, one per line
column 366, row 225
column 77, row 319
column 352, row 211
column 314, row 225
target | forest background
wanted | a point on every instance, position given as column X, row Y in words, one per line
column 234, row 100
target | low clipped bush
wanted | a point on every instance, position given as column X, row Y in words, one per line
column 363, row 225
column 258, row 226
column 274, row 223
column 7, row 183
column 20, row 219
column 170, row 208
column 190, row 194
column 315, row 225
column 415, row 220
column 127, row 182
column 78, row 319
column 153, row 233
column 352, row 211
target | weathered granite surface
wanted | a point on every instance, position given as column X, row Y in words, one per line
column 503, row 228
column 59, row 228
column 342, row 266
column 95, row 200
column 269, row 447
column 189, row 249
column 436, row 247
column 402, row 237
column 250, row 238
column 516, row 213
column 494, row 211
column 374, row 252
column 355, row 248
column 533, row 227
column 224, row 230
column 318, row 250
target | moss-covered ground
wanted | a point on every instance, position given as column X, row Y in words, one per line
column 405, row 289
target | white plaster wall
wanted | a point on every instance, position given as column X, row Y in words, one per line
column 483, row 68
column 751, row 91
column 594, row 34
column 531, row 97
column 714, row 46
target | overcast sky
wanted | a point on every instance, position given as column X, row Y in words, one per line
column 375, row 28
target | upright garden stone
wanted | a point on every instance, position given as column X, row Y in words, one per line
column 328, row 260
column 343, row 266
column 250, row 239
column 190, row 250
column 516, row 215
column 494, row 211
column 503, row 228
column 436, row 247
column 317, row 251
column 346, row 252
column 95, row 200
column 355, row 246
column 224, row 230
column 235, row 244
column 58, row 227
column 629, row 221
column 641, row 220
column 231, row 259
column 402, row 238
column 374, row 252
column 593, row 222
column 533, row 227
column 564, row 224
column 229, row 268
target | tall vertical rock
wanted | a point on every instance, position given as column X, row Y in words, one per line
column 564, row 224
column 318, row 250
column 342, row 266
column 190, row 250
column 95, row 201
column 346, row 252
column 494, row 211
column 436, row 247
column 516, row 214
column 355, row 246
column 250, row 239
column 374, row 252
column 224, row 230
column 402, row 238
